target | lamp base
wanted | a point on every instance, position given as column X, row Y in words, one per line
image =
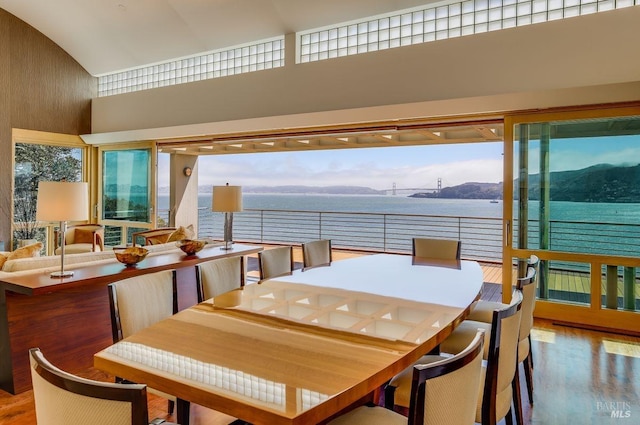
column 62, row 274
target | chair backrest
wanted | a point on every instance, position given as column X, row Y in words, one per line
column 275, row 262
column 440, row 249
column 501, row 361
column 446, row 392
column 141, row 301
column 527, row 285
column 316, row 253
column 217, row 277
column 65, row 399
column 84, row 233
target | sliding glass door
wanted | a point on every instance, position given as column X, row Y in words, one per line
column 127, row 191
column 576, row 205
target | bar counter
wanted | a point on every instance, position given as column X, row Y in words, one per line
column 68, row 318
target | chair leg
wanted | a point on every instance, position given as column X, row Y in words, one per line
column 183, row 412
column 528, row 375
column 170, row 406
column 517, row 397
column 530, row 352
column 389, row 396
column 509, row 418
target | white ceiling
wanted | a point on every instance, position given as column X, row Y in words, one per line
column 105, row 36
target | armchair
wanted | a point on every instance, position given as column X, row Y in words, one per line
column 81, row 238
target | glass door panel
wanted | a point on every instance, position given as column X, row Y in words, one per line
column 577, row 194
column 127, row 200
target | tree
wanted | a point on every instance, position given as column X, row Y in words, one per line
column 35, row 163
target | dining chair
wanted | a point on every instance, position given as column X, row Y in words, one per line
column 139, row 302
column 217, row 277
column 484, row 310
column 65, row 399
column 438, row 249
column 80, row 238
column 316, row 253
column 444, row 391
column 497, row 393
column 275, row 262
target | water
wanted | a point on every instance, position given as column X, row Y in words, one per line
column 559, row 210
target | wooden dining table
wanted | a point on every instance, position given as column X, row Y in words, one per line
column 300, row 348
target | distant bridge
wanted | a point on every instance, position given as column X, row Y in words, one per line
column 394, row 190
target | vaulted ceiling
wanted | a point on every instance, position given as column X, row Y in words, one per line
column 105, row 36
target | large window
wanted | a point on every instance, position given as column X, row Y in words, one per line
column 35, row 163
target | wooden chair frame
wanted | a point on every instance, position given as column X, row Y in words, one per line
column 117, row 335
column 263, row 256
column 97, row 239
column 200, row 286
column 305, row 254
column 447, row 241
column 422, row 373
column 491, row 381
column 135, row 394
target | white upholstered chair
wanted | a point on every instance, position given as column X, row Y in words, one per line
column 65, row 399
column 81, row 238
column 217, row 277
column 139, row 302
column 484, row 310
column 316, row 253
column 497, row 392
column 444, row 391
column 275, row 262
column 437, row 249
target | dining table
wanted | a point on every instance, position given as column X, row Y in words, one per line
column 298, row 349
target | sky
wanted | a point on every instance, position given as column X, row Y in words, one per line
column 377, row 168
column 407, row 167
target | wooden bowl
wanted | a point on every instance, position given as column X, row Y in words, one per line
column 190, row 246
column 130, row 256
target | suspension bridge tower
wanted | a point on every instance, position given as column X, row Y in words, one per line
column 393, row 188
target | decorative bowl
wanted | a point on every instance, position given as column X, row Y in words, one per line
column 190, row 246
column 130, row 256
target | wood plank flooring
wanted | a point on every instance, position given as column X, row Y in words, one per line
column 580, row 377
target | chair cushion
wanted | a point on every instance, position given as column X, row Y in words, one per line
column 28, row 251
column 182, row 233
column 483, row 311
column 83, row 236
column 75, row 248
column 402, row 381
column 366, row 415
column 462, row 336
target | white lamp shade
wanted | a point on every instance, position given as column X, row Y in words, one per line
column 227, row 198
column 62, row 201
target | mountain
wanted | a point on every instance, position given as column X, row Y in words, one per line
column 471, row 190
column 599, row 183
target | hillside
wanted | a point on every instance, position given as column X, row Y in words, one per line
column 598, row 183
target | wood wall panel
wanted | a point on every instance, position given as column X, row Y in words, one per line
column 41, row 88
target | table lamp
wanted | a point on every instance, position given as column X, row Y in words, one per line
column 227, row 199
column 62, row 201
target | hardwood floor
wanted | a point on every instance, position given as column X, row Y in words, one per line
column 581, row 377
